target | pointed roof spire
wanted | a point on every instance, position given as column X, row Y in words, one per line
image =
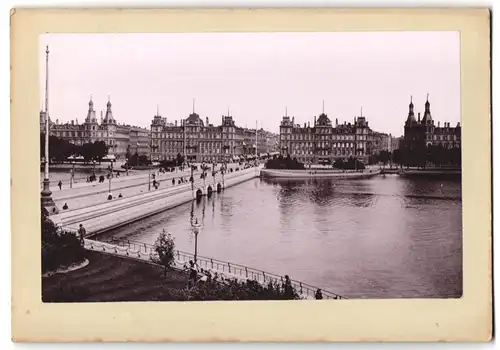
column 323, row 106
column 286, row 111
column 228, row 111
column 427, row 97
column 193, row 104
column 361, row 111
column 157, row 110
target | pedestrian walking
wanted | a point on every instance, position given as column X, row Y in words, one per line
column 318, row 295
column 81, row 233
column 193, row 273
column 60, row 185
column 288, row 289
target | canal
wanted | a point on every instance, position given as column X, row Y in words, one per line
column 384, row 237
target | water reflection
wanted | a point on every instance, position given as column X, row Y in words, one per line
column 383, row 237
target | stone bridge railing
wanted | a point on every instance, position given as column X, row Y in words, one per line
column 142, row 251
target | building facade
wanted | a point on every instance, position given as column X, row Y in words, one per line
column 117, row 137
column 323, row 143
column 422, row 132
column 202, row 141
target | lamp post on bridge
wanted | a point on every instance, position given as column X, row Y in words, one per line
column 196, row 229
column 111, row 176
column 151, row 148
column 93, row 168
column 192, row 177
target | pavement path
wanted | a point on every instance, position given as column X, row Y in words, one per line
column 91, row 194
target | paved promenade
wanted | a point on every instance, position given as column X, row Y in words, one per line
column 89, row 194
column 120, row 211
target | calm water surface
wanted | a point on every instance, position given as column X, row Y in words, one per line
column 385, row 237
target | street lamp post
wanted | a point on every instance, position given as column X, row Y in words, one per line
column 151, row 147
column 72, row 174
column 46, row 194
column 111, row 176
column 196, row 229
column 192, row 178
column 126, row 165
column 93, row 168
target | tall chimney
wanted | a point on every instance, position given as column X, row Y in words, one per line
column 207, row 120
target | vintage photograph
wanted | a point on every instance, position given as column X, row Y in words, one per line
column 250, row 166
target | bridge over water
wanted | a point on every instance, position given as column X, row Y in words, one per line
column 100, row 216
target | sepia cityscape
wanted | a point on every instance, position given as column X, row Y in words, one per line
column 223, row 207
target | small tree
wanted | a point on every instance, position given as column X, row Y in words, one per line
column 179, row 159
column 164, row 249
column 384, row 157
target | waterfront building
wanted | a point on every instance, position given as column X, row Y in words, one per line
column 394, row 142
column 118, row 137
column 323, row 143
column 422, row 132
column 202, row 141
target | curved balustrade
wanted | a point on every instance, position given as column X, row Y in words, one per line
column 144, row 251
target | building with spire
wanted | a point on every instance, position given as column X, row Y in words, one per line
column 324, row 142
column 118, row 137
column 423, row 132
column 200, row 140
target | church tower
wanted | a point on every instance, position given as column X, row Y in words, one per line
column 91, row 118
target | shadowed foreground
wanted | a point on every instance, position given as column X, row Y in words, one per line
column 110, row 278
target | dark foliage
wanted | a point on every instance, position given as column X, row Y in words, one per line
column 351, row 164
column 61, row 149
column 59, row 249
column 214, row 289
column 138, row 160
column 430, row 155
column 281, row 162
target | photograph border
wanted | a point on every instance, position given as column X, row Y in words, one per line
column 465, row 319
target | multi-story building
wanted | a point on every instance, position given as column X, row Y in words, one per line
column 394, row 142
column 139, row 140
column 116, row 136
column 203, row 141
column 421, row 133
column 324, row 143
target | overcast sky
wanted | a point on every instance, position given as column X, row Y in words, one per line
column 255, row 75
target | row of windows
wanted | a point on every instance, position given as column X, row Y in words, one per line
column 305, row 137
column 342, row 152
column 359, row 131
column 325, row 144
column 443, row 137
